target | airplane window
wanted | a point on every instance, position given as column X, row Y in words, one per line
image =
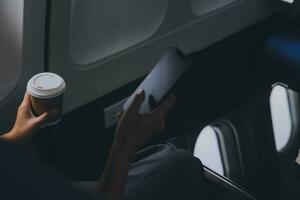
column 281, row 116
column 202, row 7
column 288, row 1
column 100, row 29
column 207, row 149
column 11, row 39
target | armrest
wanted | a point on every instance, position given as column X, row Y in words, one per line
column 228, row 185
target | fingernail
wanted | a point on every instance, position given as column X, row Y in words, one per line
column 141, row 92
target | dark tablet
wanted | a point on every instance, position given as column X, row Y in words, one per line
column 159, row 82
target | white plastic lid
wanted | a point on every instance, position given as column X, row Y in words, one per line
column 46, row 85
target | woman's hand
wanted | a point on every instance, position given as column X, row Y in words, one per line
column 135, row 129
column 26, row 124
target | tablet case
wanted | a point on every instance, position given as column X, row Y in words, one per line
column 160, row 81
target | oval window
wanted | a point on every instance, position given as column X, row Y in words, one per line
column 281, row 116
column 207, row 149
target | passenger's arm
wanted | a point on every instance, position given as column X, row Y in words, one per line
column 26, row 124
column 133, row 131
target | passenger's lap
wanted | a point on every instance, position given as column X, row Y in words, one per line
column 162, row 172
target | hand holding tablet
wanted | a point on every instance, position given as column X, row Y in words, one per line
column 160, row 81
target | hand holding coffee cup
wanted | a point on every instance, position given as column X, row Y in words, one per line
column 46, row 92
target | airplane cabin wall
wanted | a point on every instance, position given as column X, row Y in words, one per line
column 99, row 46
column 98, row 52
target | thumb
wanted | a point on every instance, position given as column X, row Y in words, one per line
column 137, row 102
column 41, row 120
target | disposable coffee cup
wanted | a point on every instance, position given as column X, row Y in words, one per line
column 46, row 91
